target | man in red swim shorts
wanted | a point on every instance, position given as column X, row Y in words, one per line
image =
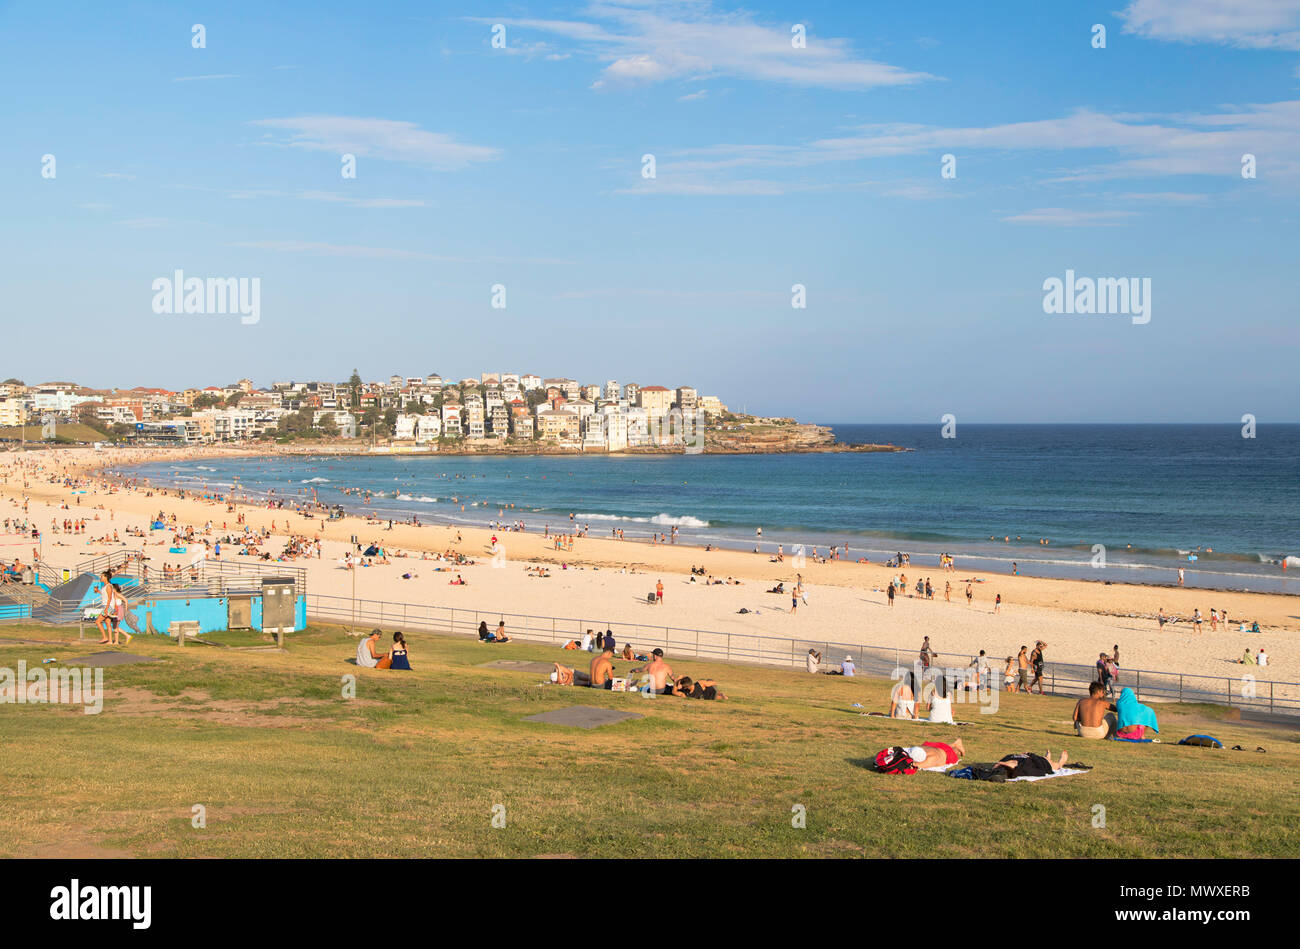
column 933, row 754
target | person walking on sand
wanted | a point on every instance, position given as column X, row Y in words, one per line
column 997, row 603
column 659, row 592
column 969, row 594
column 947, row 592
column 890, row 593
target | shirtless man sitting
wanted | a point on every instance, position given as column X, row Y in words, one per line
column 602, row 669
column 933, row 754
column 1093, row 716
column 659, row 672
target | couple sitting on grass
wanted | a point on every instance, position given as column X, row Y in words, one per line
column 369, row 657
column 1094, row 717
column 657, row 675
column 487, row 637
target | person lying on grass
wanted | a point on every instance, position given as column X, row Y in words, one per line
column 932, row 754
column 688, row 688
column 1029, row 765
column 1093, row 716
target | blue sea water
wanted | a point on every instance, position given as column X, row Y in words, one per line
column 1152, row 496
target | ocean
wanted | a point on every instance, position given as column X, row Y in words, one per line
column 1122, row 503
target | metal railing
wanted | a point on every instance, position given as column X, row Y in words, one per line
column 1059, row 678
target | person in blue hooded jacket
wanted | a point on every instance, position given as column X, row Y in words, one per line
column 1134, row 717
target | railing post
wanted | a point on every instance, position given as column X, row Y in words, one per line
column 1180, row 688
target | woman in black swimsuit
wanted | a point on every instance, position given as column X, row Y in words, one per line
column 703, row 689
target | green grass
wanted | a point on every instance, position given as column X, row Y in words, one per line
column 71, row 432
column 412, row 766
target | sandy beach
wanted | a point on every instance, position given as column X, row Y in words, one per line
column 607, row 579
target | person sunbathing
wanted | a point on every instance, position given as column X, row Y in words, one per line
column 689, row 688
column 1092, row 716
column 1029, row 765
column 932, row 754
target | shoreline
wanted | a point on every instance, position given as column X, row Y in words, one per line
column 990, row 565
column 605, row 577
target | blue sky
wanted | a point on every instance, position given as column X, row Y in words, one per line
column 774, row 166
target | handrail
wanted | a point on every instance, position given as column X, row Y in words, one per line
column 1058, row 677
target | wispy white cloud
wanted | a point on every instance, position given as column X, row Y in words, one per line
column 692, row 96
column 1119, row 146
column 1251, row 24
column 383, row 139
column 201, row 78
column 681, row 39
column 1065, row 217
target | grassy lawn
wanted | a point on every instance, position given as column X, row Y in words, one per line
column 284, row 765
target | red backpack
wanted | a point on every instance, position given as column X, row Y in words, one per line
column 894, row 761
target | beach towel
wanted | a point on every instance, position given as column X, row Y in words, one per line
column 1203, row 741
column 1063, row 773
column 1133, row 712
column 1136, row 741
column 918, row 721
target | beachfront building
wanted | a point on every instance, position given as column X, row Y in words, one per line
column 528, row 382
column 428, row 429
column 615, row 422
column 499, row 420
column 521, row 426
column 59, row 398
column 611, row 393
column 656, row 400
column 582, row 407
column 593, row 433
column 404, row 428
column 344, row 422
column 630, row 392
column 559, row 425
column 474, row 415
column 12, row 412
column 451, row 419
column 688, row 398
column 712, row 405
column 120, row 412
column 638, row 427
